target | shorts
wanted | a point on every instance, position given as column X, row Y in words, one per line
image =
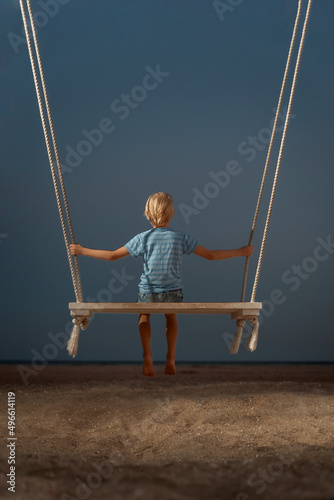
column 171, row 296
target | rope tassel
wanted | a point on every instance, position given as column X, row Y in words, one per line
column 234, row 347
column 72, row 345
column 251, row 343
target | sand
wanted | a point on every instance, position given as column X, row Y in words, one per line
column 210, row 432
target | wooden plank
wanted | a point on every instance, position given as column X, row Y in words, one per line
column 87, row 313
column 244, row 313
column 245, row 308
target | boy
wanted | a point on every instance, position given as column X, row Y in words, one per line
column 161, row 249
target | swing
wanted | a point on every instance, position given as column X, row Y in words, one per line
column 240, row 311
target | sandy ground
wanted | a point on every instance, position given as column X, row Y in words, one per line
column 210, row 432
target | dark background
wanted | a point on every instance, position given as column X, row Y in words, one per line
column 225, row 74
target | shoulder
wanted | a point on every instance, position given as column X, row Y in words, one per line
column 136, row 246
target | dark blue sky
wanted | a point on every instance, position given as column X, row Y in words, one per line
column 210, row 108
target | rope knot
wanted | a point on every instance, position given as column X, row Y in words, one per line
column 81, row 321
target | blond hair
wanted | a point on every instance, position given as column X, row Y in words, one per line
column 159, row 209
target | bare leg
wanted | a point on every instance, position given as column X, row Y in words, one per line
column 171, row 336
column 145, row 336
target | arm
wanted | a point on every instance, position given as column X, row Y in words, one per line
column 223, row 254
column 99, row 254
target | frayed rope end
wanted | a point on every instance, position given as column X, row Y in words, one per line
column 72, row 344
column 234, row 347
column 253, row 336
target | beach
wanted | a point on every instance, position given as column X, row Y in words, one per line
column 210, row 432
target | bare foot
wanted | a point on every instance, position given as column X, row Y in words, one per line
column 170, row 366
column 148, row 369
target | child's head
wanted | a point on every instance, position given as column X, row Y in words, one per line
column 159, row 209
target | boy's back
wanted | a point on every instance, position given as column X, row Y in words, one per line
column 162, row 249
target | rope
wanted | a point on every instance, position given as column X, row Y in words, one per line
column 234, row 347
column 300, row 50
column 251, row 342
column 278, row 110
column 75, row 272
column 79, row 322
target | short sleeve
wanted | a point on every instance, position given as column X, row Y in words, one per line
column 189, row 244
column 135, row 246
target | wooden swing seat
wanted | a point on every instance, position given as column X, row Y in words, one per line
column 237, row 310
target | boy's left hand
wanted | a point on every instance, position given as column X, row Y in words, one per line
column 247, row 250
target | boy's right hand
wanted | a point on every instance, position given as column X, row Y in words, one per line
column 76, row 249
column 247, row 250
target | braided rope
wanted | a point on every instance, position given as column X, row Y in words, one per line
column 75, row 273
column 293, row 87
column 265, row 171
column 251, row 342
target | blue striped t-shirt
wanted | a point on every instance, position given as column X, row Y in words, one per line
column 161, row 249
